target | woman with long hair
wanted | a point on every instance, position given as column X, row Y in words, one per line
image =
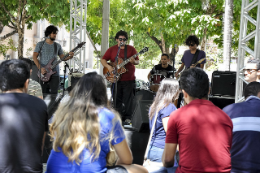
column 85, row 132
column 163, row 106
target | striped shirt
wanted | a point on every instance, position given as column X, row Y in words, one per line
column 245, row 150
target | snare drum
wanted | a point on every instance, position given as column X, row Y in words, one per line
column 155, row 81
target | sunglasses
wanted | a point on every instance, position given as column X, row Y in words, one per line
column 249, row 70
column 120, row 39
column 191, row 44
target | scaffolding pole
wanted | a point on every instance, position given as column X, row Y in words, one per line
column 244, row 37
column 78, row 21
column 105, row 31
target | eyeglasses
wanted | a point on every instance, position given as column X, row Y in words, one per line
column 191, row 44
column 249, row 70
column 120, row 39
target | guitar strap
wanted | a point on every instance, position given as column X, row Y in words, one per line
column 195, row 57
column 55, row 49
column 125, row 53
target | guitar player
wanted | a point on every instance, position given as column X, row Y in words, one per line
column 191, row 56
column 126, row 84
column 46, row 51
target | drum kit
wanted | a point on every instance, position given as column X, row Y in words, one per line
column 157, row 78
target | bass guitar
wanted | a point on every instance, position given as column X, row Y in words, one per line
column 49, row 67
column 114, row 77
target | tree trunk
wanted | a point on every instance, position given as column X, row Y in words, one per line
column 228, row 18
column 204, row 40
column 172, row 55
column 163, row 44
column 20, row 42
column 1, row 27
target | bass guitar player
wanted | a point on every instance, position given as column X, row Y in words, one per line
column 126, row 85
column 47, row 50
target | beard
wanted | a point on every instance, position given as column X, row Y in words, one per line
column 52, row 39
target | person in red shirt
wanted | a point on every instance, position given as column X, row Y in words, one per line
column 202, row 130
column 126, row 84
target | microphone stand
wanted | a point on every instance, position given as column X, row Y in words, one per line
column 64, row 71
column 115, row 72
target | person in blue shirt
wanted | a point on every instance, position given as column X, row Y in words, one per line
column 86, row 133
column 245, row 150
column 163, row 106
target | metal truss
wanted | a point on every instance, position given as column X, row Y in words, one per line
column 244, row 37
column 78, row 21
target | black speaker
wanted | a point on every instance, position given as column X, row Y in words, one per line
column 221, row 102
column 140, row 120
column 223, row 83
column 144, row 95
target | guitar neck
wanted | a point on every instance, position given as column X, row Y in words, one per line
column 126, row 61
column 198, row 62
column 63, row 58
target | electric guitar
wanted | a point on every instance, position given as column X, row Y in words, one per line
column 198, row 62
column 114, row 77
column 49, row 67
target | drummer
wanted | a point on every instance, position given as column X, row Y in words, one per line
column 163, row 68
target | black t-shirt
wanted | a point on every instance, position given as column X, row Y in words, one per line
column 167, row 72
column 23, row 121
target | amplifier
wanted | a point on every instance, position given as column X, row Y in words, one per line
column 223, row 83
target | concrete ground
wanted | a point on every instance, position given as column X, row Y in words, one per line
column 44, row 167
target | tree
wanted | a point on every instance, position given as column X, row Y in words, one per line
column 9, row 44
column 228, row 33
column 170, row 22
column 17, row 14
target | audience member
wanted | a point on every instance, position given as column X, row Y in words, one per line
column 202, row 130
column 34, row 87
column 23, row 121
column 162, row 106
column 84, row 130
column 252, row 70
column 245, row 150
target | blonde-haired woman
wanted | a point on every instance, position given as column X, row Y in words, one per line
column 163, row 106
column 84, row 130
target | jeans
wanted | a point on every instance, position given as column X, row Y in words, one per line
column 155, row 154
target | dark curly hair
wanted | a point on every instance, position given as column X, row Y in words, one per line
column 50, row 29
column 122, row 33
column 192, row 39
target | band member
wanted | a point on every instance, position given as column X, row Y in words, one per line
column 163, row 68
column 126, row 84
column 192, row 41
column 46, row 51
